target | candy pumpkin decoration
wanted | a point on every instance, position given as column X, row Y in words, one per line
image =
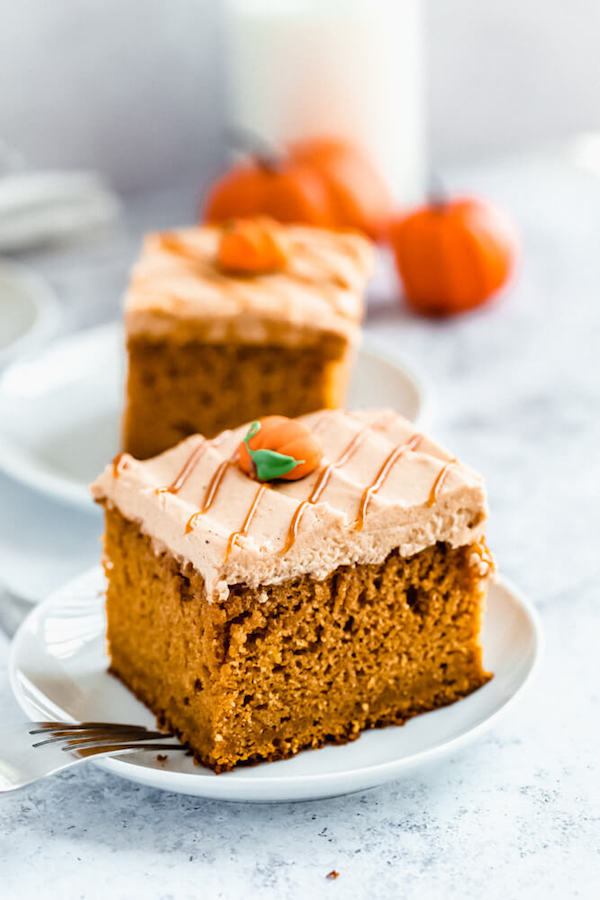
column 452, row 255
column 278, row 447
column 324, row 182
column 251, row 247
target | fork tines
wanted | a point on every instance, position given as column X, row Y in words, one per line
column 82, row 734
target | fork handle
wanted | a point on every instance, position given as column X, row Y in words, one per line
column 21, row 764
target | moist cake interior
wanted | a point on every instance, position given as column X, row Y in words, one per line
column 274, row 671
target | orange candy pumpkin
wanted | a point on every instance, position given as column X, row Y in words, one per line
column 278, row 447
column 452, row 256
column 325, row 182
column 251, row 247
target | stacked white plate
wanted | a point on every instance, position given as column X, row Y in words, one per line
column 29, row 311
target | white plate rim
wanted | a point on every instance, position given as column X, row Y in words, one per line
column 47, row 311
column 71, row 491
column 234, row 790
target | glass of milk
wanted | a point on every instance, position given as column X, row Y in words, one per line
column 350, row 68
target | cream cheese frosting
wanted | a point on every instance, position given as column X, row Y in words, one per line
column 176, row 288
column 387, row 487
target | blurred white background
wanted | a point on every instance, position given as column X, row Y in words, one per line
column 135, row 88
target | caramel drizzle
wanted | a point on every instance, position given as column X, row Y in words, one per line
column 186, row 470
column 174, row 245
column 116, row 465
column 320, row 422
column 191, row 462
column 320, row 485
column 232, row 541
column 331, row 278
column 329, row 272
column 369, row 492
column 324, row 479
column 439, row 482
column 214, row 486
column 211, row 491
column 171, row 243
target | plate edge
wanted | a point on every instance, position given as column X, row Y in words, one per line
column 381, row 771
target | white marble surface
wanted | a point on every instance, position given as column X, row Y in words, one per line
column 517, row 394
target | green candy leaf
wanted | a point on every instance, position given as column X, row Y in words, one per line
column 268, row 463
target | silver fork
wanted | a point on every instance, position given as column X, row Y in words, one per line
column 33, row 750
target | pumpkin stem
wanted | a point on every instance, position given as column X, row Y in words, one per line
column 264, row 155
column 437, row 193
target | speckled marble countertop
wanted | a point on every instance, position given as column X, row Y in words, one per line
column 517, row 394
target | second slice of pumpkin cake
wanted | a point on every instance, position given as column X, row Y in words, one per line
column 225, row 323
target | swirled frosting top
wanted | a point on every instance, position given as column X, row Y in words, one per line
column 381, row 485
column 177, row 288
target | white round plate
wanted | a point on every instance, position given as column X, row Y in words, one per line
column 58, row 670
column 60, row 411
column 29, row 311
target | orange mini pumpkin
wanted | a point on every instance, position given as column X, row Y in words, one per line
column 252, row 247
column 358, row 195
column 278, row 447
column 287, row 191
column 452, row 256
column 325, row 182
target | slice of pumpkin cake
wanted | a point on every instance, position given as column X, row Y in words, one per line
column 226, row 323
column 293, row 582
